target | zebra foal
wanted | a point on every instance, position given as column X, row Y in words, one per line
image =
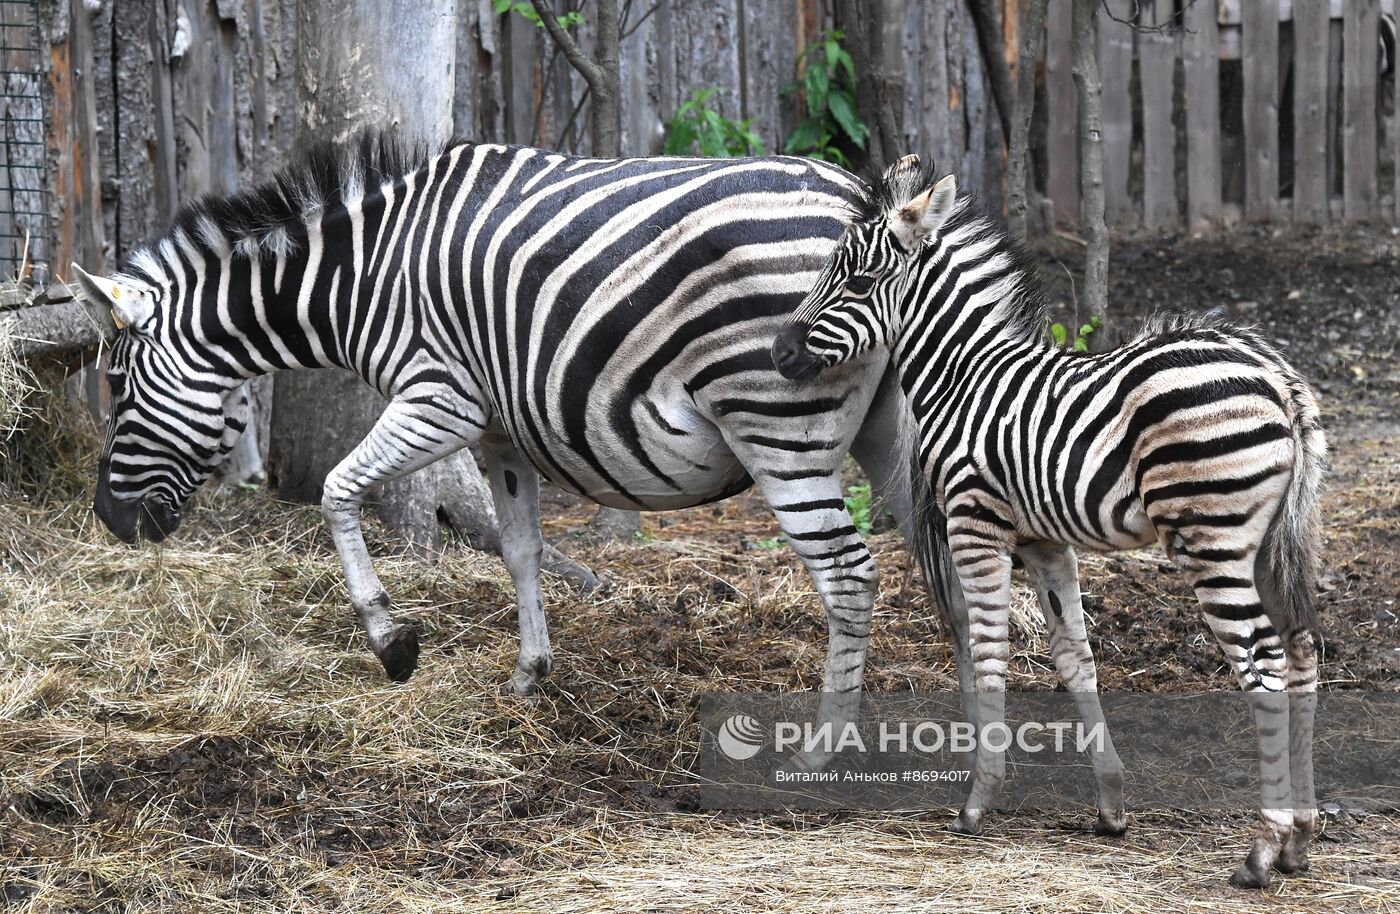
column 1195, row 435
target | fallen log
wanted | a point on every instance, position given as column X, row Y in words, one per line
column 40, row 329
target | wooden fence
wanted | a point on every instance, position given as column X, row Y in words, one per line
column 1259, row 110
column 152, row 102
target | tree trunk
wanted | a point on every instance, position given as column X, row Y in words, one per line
column 872, row 29
column 1085, row 67
column 603, row 75
column 986, row 17
column 1018, row 157
column 385, row 63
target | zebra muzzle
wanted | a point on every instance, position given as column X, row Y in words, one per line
column 791, row 356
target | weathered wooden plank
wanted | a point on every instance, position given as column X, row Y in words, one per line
column 977, row 103
column 1259, row 32
column 769, row 62
column 705, row 39
column 1360, row 185
column 1201, row 68
column 1157, row 66
column 76, row 178
column 521, row 78
column 1310, row 32
column 1062, row 135
column 641, row 126
column 1116, row 70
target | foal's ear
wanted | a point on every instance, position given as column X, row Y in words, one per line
column 131, row 306
column 920, row 217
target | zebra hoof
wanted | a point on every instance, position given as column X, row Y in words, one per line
column 399, row 653
column 1247, row 877
column 1111, row 825
column 1289, row 863
column 965, row 824
column 523, row 685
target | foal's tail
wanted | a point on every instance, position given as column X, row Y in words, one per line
column 928, row 533
column 1293, row 543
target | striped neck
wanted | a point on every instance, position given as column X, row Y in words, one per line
column 971, row 300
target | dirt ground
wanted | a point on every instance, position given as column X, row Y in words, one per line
column 200, row 728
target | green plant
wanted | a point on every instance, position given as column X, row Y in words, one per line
column 858, row 503
column 526, row 10
column 699, row 129
column 771, row 542
column 828, row 90
column 1060, row 334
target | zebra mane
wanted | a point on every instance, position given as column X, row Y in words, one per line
column 1024, row 309
column 268, row 218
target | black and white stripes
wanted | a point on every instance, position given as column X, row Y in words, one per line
column 600, row 321
column 1195, row 435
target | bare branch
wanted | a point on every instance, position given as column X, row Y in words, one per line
column 1174, row 23
column 565, row 42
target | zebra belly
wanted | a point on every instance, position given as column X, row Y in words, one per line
column 677, row 459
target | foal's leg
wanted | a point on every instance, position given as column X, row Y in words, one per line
column 412, row 432
column 1227, row 593
column 1302, row 706
column 515, row 489
column 1055, row 573
column 984, row 570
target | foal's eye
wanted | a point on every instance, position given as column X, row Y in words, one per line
column 860, row 285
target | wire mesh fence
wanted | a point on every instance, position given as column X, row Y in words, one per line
column 24, row 204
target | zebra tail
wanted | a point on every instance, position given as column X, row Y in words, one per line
column 928, row 534
column 1294, row 539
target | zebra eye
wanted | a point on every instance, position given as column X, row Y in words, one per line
column 860, row 285
column 116, row 380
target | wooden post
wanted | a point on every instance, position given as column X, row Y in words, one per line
column 1360, row 190
column 1200, row 50
column 1310, row 28
column 1259, row 35
column 1157, row 65
column 1063, row 138
column 1116, row 67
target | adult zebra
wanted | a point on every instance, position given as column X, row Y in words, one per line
column 594, row 320
column 1196, row 435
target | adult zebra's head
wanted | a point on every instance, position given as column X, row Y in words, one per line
column 172, row 419
column 854, row 306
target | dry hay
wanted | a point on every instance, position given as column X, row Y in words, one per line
column 17, row 386
column 200, row 728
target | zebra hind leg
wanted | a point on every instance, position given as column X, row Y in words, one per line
column 1231, row 601
column 515, row 488
column 813, row 516
column 984, row 571
column 1055, row 573
column 1302, row 708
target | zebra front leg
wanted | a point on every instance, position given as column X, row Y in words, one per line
column 515, row 488
column 984, row 571
column 815, row 521
column 1055, row 573
column 399, row 443
column 1250, row 643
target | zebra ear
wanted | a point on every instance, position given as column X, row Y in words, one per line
column 922, row 216
column 131, row 307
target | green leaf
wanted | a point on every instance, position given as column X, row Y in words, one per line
column 806, row 137
column 1058, row 334
column 501, row 6
column 1086, row 330
column 1081, row 346
column 817, row 82
column 844, row 110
